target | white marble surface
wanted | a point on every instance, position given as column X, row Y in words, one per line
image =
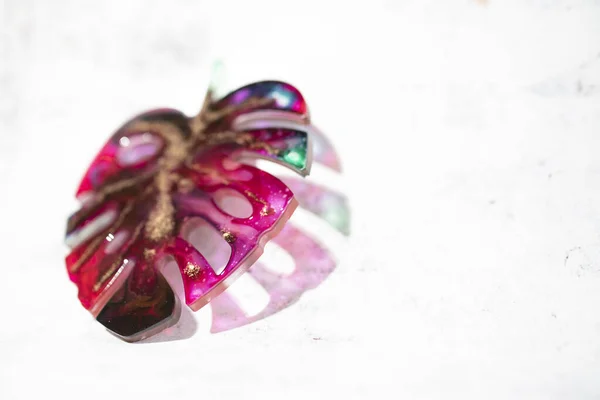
column 469, row 132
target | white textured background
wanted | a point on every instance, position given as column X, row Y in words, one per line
column 470, row 136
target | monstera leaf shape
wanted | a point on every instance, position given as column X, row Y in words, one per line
column 156, row 175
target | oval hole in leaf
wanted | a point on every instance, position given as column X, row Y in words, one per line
column 170, row 271
column 208, row 241
column 233, row 203
column 116, row 241
column 100, row 223
column 137, row 149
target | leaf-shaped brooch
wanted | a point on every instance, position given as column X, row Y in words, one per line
column 159, row 173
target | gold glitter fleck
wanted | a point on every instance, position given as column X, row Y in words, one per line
column 266, row 210
column 185, row 185
column 191, row 270
column 229, row 237
column 149, row 254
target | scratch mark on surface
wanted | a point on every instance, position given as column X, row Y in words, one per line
column 583, row 260
column 569, row 254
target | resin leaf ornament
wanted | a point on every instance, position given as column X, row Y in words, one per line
column 160, row 175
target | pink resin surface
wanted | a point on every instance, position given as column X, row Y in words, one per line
column 159, row 173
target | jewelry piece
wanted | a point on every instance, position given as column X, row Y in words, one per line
column 161, row 171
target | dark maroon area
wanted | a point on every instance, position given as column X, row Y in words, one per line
column 130, row 312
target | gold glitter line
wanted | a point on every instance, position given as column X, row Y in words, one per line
column 225, row 137
column 210, row 172
column 242, row 139
column 101, row 196
column 256, row 198
column 147, row 301
column 211, row 116
column 272, row 151
column 197, row 124
column 121, row 185
column 160, row 223
column 177, row 147
column 266, row 209
column 109, row 272
column 92, row 247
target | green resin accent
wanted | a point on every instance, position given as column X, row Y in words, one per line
column 295, row 156
column 218, row 79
